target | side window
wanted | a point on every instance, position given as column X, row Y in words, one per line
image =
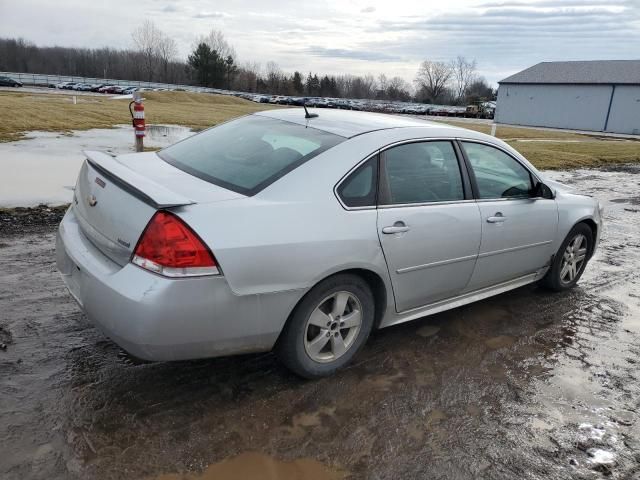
column 498, row 175
column 421, row 172
column 359, row 189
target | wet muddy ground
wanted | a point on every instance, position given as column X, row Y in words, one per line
column 527, row 385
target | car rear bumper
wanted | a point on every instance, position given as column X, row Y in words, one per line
column 157, row 318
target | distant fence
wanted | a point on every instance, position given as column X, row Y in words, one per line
column 40, row 79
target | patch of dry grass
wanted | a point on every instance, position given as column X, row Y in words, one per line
column 509, row 133
column 23, row 112
column 566, row 155
column 561, row 150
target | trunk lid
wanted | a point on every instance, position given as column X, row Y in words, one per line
column 115, row 197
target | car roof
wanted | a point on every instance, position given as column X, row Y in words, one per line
column 348, row 123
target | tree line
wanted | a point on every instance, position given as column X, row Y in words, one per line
column 153, row 56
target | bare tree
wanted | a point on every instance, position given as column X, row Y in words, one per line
column 398, row 89
column 464, row 74
column 247, row 78
column 274, row 76
column 166, row 50
column 146, row 38
column 433, row 78
column 383, row 83
column 216, row 41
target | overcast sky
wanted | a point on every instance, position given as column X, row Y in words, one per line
column 359, row 36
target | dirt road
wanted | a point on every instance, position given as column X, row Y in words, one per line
column 526, row 385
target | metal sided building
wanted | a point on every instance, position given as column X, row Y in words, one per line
column 601, row 96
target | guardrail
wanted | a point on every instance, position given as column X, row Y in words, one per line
column 40, row 79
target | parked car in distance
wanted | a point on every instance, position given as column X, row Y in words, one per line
column 129, row 90
column 302, row 235
column 107, row 89
column 9, row 82
column 82, row 87
column 97, row 86
column 65, row 85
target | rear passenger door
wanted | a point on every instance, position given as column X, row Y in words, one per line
column 428, row 222
column 518, row 228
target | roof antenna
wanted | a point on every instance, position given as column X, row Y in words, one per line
column 306, row 112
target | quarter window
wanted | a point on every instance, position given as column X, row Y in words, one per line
column 359, row 189
column 498, row 175
column 422, row 172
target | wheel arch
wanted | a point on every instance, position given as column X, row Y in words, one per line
column 374, row 280
column 593, row 226
column 378, row 288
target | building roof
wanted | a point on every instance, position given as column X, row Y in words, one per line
column 587, row 72
column 346, row 123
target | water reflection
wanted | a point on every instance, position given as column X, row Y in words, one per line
column 43, row 167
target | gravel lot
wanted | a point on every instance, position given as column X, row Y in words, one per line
column 526, row 385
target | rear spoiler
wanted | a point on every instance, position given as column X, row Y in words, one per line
column 150, row 192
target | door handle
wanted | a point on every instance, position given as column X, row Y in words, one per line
column 497, row 218
column 398, row 227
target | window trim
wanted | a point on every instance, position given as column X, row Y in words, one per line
column 462, row 168
column 466, row 180
column 468, row 177
column 346, row 176
column 474, row 184
column 376, row 183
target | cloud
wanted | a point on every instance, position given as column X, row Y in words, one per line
column 504, row 36
column 556, row 3
column 515, row 22
column 367, row 55
column 211, row 15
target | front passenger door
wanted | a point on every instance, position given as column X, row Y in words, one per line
column 517, row 230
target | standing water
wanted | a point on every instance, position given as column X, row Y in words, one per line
column 43, row 167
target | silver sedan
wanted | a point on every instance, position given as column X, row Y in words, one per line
column 302, row 233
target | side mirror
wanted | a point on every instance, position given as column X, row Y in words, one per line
column 542, row 191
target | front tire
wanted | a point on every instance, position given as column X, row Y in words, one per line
column 328, row 327
column 570, row 261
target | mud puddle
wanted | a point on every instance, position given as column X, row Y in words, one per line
column 42, row 168
column 257, row 466
column 526, row 385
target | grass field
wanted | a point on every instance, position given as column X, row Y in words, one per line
column 555, row 149
column 508, row 133
column 23, row 112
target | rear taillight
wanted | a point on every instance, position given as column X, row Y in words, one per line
column 170, row 248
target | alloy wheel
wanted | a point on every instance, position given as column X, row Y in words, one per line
column 573, row 258
column 333, row 327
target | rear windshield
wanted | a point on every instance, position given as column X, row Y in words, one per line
column 248, row 154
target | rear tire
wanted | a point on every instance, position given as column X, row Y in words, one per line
column 570, row 260
column 328, row 327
